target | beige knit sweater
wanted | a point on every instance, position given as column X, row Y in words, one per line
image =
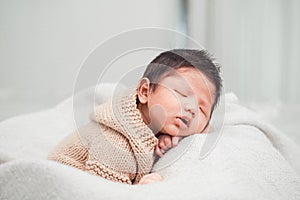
column 116, row 144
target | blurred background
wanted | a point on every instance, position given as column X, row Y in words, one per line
column 43, row 44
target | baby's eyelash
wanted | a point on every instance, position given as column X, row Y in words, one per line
column 200, row 108
column 180, row 93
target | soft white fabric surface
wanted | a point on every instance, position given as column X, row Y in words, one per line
column 250, row 160
column 34, row 135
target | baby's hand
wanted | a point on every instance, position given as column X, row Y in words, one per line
column 166, row 142
column 150, row 178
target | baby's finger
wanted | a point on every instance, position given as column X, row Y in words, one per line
column 175, row 141
column 167, row 142
column 164, row 143
column 161, row 144
column 159, row 151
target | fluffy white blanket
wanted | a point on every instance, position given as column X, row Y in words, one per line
column 249, row 160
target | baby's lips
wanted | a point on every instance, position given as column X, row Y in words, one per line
column 183, row 122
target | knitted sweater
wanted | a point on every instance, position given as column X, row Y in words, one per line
column 116, row 144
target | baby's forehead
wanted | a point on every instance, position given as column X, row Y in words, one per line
column 184, row 76
column 189, row 79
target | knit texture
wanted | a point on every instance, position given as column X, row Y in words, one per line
column 116, row 144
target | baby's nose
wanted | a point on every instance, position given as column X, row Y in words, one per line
column 188, row 107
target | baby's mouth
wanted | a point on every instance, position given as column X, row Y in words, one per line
column 184, row 120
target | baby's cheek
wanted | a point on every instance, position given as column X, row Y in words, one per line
column 158, row 117
column 200, row 123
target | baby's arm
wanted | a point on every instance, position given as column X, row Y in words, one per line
column 166, row 142
column 70, row 151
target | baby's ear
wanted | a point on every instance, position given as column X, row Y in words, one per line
column 143, row 90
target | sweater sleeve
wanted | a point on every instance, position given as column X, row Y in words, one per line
column 70, row 151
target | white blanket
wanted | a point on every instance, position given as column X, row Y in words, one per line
column 251, row 160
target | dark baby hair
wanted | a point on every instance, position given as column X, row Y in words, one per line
column 168, row 61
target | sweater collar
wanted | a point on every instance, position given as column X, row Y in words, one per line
column 122, row 115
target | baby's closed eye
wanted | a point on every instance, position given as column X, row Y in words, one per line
column 181, row 93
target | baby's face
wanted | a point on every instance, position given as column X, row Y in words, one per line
column 181, row 103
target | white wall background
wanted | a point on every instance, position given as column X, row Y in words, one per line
column 256, row 42
column 43, row 43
